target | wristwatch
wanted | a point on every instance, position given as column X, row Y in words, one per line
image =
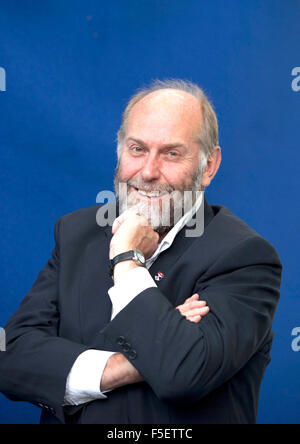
column 134, row 255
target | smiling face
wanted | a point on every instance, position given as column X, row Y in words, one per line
column 160, row 153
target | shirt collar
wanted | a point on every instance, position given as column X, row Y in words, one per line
column 169, row 238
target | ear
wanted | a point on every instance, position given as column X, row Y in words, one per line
column 212, row 167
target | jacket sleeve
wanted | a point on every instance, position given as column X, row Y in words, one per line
column 36, row 362
column 184, row 361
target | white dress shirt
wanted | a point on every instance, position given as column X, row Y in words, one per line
column 83, row 382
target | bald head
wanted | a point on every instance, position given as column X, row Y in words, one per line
column 165, row 116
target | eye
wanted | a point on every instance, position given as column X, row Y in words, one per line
column 173, row 154
column 136, row 149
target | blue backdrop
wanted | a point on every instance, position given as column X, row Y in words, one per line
column 68, row 68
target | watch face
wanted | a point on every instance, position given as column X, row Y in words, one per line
column 140, row 257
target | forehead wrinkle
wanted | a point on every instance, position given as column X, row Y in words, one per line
column 163, row 145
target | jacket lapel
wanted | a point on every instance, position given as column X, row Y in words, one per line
column 181, row 244
column 95, row 304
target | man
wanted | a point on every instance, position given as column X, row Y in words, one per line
column 180, row 331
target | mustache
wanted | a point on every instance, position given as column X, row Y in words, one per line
column 141, row 185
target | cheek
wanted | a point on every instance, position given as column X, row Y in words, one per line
column 128, row 168
column 178, row 176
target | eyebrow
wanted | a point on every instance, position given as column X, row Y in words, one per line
column 167, row 145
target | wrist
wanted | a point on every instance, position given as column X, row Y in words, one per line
column 130, row 259
column 118, row 372
column 123, row 267
column 116, row 250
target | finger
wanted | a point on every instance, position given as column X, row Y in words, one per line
column 191, row 303
column 197, row 311
column 118, row 222
column 134, row 213
column 132, row 216
column 192, row 298
column 121, row 219
column 194, row 304
column 199, row 304
column 188, row 308
column 194, row 319
column 203, row 311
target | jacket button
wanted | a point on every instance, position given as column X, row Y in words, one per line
column 126, row 347
column 133, row 354
column 120, row 340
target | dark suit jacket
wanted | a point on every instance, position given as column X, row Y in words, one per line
column 195, row 373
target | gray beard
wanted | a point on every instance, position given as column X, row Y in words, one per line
column 164, row 214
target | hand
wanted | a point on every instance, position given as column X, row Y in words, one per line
column 118, row 372
column 132, row 232
column 193, row 309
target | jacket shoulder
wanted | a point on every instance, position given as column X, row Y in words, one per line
column 237, row 233
column 83, row 215
column 230, row 221
column 80, row 224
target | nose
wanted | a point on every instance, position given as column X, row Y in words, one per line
column 151, row 170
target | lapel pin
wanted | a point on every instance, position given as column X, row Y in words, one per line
column 159, row 276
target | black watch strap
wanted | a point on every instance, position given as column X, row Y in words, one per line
column 137, row 256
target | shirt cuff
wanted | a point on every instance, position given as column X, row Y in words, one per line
column 83, row 382
column 129, row 285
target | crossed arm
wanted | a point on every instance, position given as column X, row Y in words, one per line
column 119, row 371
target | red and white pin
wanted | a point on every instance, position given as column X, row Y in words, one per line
column 159, row 276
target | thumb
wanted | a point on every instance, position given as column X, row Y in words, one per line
column 119, row 221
